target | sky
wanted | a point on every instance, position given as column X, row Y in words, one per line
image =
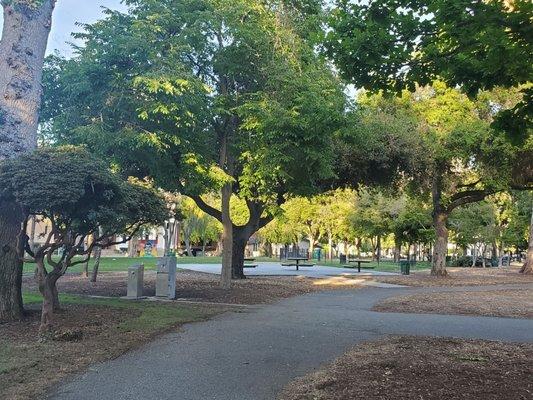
column 67, row 13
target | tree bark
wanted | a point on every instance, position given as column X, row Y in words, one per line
column 188, row 248
column 330, row 246
column 22, row 49
column 51, row 305
column 240, row 239
column 397, row 250
column 132, row 247
column 33, row 225
column 11, row 220
column 311, row 245
column 527, row 268
column 85, row 272
column 243, row 233
column 267, row 249
column 440, row 249
column 378, row 248
column 96, row 265
column 474, row 256
column 227, row 238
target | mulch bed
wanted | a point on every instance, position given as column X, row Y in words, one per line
column 88, row 334
column 401, row 368
column 516, row 303
column 191, row 285
column 461, row 277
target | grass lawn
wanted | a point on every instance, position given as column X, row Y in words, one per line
column 107, row 264
column 88, row 331
column 385, row 266
column 114, row 264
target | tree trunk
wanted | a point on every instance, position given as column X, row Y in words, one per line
column 440, row 219
column 177, row 236
column 397, row 250
column 378, row 248
column 494, row 250
column 474, row 256
column 227, row 238
column 22, row 49
column 50, row 305
column 132, row 247
column 188, row 248
column 358, row 247
column 440, row 249
column 33, row 224
column 330, row 247
column 268, row 249
column 166, row 238
column 11, row 220
column 240, row 239
column 97, row 255
column 85, row 272
column 527, row 268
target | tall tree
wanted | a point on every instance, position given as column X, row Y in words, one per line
column 476, row 45
column 205, row 96
column 463, row 159
column 22, row 49
column 392, row 45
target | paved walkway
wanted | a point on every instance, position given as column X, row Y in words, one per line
column 272, row 268
column 252, row 355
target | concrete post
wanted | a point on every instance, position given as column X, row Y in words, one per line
column 166, row 278
column 135, row 281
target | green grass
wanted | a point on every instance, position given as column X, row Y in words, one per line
column 384, row 266
column 107, row 264
column 114, row 264
column 151, row 316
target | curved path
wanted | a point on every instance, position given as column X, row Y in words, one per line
column 252, row 355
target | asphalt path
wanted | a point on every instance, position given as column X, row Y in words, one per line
column 252, row 354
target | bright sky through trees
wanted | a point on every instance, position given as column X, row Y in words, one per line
column 67, row 14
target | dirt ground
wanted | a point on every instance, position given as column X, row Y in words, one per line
column 461, row 277
column 515, row 303
column 103, row 328
column 194, row 286
column 86, row 334
column 405, row 368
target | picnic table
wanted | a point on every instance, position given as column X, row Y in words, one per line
column 359, row 262
column 249, row 260
column 296, row 263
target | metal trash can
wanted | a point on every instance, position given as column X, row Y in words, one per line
column 405, row 267
column 342, row 258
